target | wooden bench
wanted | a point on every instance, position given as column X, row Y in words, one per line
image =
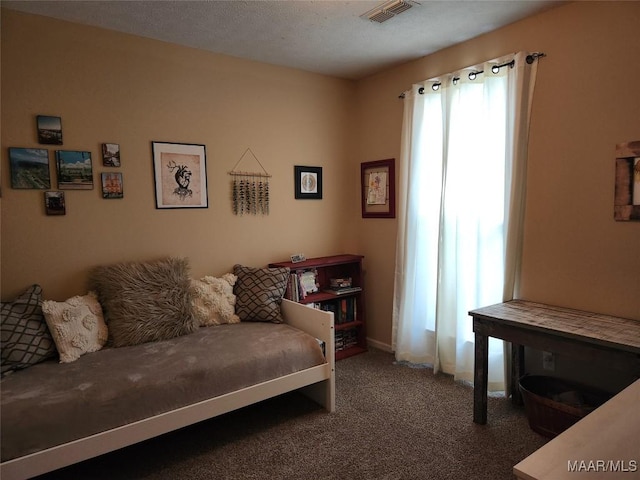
column 586, row 336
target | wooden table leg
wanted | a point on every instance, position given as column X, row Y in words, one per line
column 480, row 379
column 517, row 370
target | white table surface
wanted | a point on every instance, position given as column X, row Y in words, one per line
column 603, row 445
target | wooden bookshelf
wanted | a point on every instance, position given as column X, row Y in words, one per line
column 348, row 308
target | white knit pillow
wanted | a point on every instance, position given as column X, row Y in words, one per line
column 76, row 325
column 213, row 300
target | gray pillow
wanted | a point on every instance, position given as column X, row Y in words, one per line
column 259, row 293
column 145, row 301
column 25, row 337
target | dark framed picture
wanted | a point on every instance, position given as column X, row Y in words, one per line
column 112, row 185
column 75, row 171
column 307, row 182
column 29, row 168
column 110, row 155
column 49, row 130
column 180, row 172
column 378, row 195
column 627, row 182
column 54, row 203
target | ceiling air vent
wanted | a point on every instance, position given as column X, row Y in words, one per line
column 388, row 10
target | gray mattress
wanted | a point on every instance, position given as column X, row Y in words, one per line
column 50, row 403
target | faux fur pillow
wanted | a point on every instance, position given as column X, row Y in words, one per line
column 145, row 301
column 259, row 293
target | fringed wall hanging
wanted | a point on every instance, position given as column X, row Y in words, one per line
column 249, row 190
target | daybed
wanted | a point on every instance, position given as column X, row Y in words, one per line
column 56, row 414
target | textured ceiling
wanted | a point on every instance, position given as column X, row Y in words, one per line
column 322, row 36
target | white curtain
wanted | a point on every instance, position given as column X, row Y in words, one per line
column 461, row 208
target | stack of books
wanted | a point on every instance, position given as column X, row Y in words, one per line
column 340, row 282
column 341, row 286
column 346, row 339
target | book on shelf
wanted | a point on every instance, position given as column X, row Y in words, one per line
column 346, row 339
column 343, row 291
column 300, row 284
column 344, row 310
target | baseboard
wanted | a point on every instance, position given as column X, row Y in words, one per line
column 379, row 345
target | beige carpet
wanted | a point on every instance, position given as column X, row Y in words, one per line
column 392, row 422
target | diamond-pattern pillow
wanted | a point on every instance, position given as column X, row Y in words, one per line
column 259, row 293
column 25, row 338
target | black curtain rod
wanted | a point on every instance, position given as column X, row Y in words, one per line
column 532, row 57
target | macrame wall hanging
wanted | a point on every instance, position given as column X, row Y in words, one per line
column 249, row 190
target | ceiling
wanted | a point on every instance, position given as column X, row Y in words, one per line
column 321, row 36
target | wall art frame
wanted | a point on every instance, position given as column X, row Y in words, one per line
column 110, row 154
column 112, row 185
column 378, row 188
column 180, row 174
column 627, row 182
column 74, row 169
column 54, row 203
column 307, row 182
column 29, row 168
column 49, row 129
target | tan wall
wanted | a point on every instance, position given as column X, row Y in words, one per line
column 586, row 101
column 111, row 87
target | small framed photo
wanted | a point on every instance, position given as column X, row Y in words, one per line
column 29, row 168
column 180, row 175
column 75, row 171
column 112, row 185
column 378, row 193
column 307, row 182
column 110, row 155
column 49, row 130
column 627, row 182
column 54, row 203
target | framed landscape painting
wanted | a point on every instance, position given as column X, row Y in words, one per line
column 29, row 168
column 49, row 130
column 75, row 171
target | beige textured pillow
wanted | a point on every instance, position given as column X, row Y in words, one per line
column 259, row 293
column 214, row 301
column 76, row 325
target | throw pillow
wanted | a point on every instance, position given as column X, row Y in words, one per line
column 259, row 293
column 25, row 338
column 76, row 325
column 145, row 301
column 214, row 301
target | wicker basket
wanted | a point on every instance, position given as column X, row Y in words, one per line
column 553, row 405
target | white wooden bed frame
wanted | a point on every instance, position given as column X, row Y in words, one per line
column 318, row 383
